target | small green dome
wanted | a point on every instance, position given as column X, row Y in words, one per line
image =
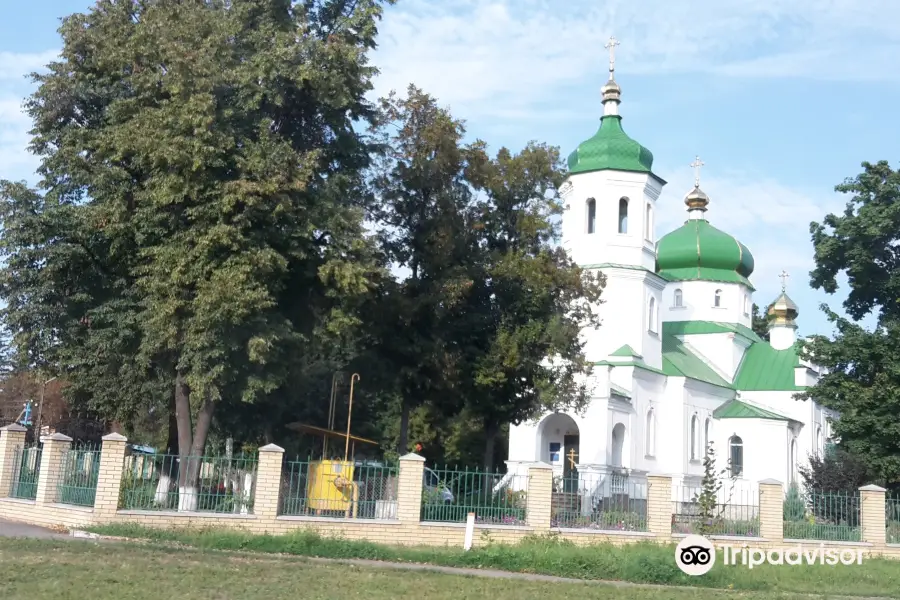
column 699, row 251
column 610, row 148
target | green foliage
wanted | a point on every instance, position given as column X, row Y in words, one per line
column 710, row 510
column 794, row 505
column 760, row 322
column 198, row 228
column 862, row 382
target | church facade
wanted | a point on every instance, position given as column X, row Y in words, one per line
column 676, row 365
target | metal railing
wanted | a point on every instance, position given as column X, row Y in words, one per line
column 449, row 495
column 599, row 501
column 892, row 519
column 26, row 472
column 828, row 516
column 732, row 511
column 78, row 477
column 334, row 488
column 211, row 483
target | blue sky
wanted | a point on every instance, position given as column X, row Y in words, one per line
column 781, row 99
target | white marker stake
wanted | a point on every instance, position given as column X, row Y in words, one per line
column 470, row 532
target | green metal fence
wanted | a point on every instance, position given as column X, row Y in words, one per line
column 26, row 471
column 828, row 516
column 334, row 488
column 78, row 478
column 449, row 495
column 892, row 514
column 599, row 501
column 223, row 484
column 732, row 509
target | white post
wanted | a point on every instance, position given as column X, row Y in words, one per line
column 470, row 531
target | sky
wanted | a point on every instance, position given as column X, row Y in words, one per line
column 781, row 99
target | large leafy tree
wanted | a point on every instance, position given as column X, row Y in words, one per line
column 863, row 382
column 423, row 201
column 529, row 302
column 760, row 322
column 197, row 231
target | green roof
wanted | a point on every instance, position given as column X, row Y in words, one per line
column 699, row 251
column 736, row 409
column 638, row 364
column 610, row 148
column 678, row 361
column 619, row 390
column 625, row 350
column 700, row 327
column 765, row 369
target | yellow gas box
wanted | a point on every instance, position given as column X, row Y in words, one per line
column 331, row 486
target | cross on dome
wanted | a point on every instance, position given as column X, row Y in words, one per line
column 696, row 166
column 611, row 46
column 784, row 277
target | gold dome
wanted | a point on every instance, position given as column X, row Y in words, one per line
column 783, row 311
column 611, row 91
column 696, row 199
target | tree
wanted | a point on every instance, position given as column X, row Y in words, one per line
column 760, row 322
column 863, row 379
column 840, row 473
column 528, row 302
column 198, row 238
column 711, row 511
column 421, row 209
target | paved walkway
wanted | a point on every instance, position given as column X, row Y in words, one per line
column 11, row 529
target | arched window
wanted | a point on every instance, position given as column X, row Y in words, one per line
column 694, row 439
column 736, row 456
column 618, row 444
column 651, row 315
column 746, row 305
column 651, row 433
column 623, row 215
column 679, row 299
column 648, row 233
column 717, row 301
column 591, row 215
column 793, row 466
column 706, row 427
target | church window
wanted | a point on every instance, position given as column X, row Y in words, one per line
column 554, row 451
column 717, row 300
column 694, row 440
column 591, row 215
column 651, row 326
column 649, row 224
column 736, row 456
column 651, row 433
column 706, row 435
column 818, row 448
column 679, row 299
column 793, row 465
column 623, row 215
column 746, row 305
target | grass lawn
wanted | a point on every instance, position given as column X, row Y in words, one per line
column 638, row 563
column 77, row 570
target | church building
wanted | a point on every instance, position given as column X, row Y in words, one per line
column 676, row 365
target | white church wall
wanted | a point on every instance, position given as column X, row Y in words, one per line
column 698, row 299
column 625, row 316
column 636, row 246
column 765, row 448
column 698, row 425
column 721, row 351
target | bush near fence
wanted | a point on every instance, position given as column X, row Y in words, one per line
column 26, row 471
column 736, row 512
column 609, row 502
column 449, row 495
column 892, row 519
column 80, row 472
column 826, row 516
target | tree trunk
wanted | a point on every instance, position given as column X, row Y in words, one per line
column 191, row 443
column 403, row 442
column 168, row 470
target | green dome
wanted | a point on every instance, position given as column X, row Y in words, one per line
column 699, row 251
column 610, row 148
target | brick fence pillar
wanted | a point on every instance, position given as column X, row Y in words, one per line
column 268, row 482
column 539, row 498
column 771, row 510
column 52, row 455
column 659, row 506
column 409, row 488
column 109, row 477
column 872, row 515
column 11, row 437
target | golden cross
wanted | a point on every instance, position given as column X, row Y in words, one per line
column 572, row 456
column 611, row 46
column 696, row 166
column 784, row 277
